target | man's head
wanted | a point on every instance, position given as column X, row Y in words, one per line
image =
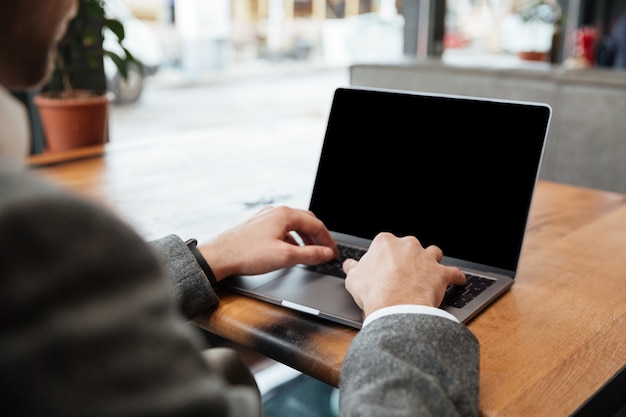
column 30, row 30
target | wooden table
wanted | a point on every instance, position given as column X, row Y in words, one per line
column 547, row 345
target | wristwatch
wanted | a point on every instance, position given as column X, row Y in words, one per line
column 192, row 244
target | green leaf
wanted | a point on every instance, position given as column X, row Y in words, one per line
column 120, row 63
column 116, row 27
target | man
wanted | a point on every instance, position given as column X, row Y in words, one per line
column 89, row 324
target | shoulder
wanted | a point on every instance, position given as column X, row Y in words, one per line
column 27, row 197
column 58, row 229
column 25, row 190
column 17, row 184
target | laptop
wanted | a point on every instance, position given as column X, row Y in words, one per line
column 457, row 172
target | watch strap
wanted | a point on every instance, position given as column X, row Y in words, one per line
column 192, row 244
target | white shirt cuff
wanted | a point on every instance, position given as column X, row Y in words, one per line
column 410, row 309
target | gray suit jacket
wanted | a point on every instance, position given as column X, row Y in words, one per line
column 90, row 327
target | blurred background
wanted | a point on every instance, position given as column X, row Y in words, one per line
column 194, row 40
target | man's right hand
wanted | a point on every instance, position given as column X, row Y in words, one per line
column 397, row 271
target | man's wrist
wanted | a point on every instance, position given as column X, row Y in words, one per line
column 407, row 309
column 192, row 244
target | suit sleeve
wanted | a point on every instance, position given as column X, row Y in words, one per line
column 192, row 290
column 89, row 324
column 411, row 365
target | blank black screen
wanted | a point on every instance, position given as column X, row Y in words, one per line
column 455, row 172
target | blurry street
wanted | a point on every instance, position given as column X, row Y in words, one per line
column 266, row 100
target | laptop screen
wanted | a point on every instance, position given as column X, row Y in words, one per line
column 452, row 171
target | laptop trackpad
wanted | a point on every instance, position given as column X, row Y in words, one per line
column 311, row 290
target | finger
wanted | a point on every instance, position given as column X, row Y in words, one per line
column 435, row 252
column 312, row 230
column 457, row 276
column 305, row 239
column 294, row 239
column 311, row 254
column 349, row 264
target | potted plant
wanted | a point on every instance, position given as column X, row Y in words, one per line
column 73, row 106
column 539, row 23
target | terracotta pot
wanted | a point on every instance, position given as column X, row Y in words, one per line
column 74, row 122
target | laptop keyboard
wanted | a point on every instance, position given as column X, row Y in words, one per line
column 456, row 295
column 459, row 295
column 334, row 266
